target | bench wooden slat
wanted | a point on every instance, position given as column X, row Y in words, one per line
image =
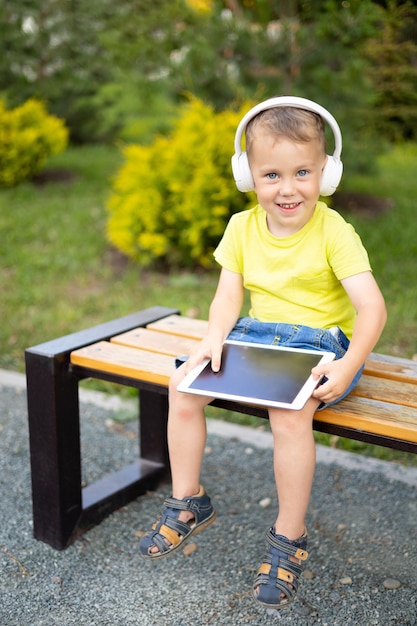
column 154, row 341
column 181, row 325
column 372, row 416
column 391, row 367
column 123, row 361
column 394, row 391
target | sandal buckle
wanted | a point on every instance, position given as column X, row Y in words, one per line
column 301, row 554
column 284, row 574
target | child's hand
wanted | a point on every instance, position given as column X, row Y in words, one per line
column 206, row 349
column 338, row 380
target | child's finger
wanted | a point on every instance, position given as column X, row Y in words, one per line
column 216, row 360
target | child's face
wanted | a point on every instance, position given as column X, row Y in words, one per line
column 287, row 180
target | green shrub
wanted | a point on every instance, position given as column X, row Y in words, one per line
column 28, row 136
column 172, row 199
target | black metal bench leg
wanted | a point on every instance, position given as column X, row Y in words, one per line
column 153, row 413
column 61, row 508
column 54, row 434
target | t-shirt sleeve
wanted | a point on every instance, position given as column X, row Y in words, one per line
column 229, row 251
column 346, row 253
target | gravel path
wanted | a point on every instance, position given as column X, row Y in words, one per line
column 362, row 528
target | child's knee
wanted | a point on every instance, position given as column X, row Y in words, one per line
column 291, row 424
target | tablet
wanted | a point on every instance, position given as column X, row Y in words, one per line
column 264, row 375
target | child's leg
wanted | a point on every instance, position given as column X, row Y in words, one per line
column 294, row 464
column 186, row 438
column 278, row 577
column 189, row 509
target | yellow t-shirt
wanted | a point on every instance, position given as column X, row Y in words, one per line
column 295, row 279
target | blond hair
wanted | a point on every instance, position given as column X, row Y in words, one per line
column 299, row 125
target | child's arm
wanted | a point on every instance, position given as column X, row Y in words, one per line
column 224, row 312
column 368, row 301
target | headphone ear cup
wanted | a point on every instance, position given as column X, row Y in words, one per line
column 330, row 178
column 241, row 172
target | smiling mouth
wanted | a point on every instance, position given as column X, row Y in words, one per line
column 288, row 206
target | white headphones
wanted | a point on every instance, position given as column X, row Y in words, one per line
column 332, row 172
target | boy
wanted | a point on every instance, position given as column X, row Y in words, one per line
column 311, row 286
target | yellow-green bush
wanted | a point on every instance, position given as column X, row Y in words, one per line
column 28, row 136
column 172, row 199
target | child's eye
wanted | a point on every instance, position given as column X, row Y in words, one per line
column 272, row 176
column 302, row 173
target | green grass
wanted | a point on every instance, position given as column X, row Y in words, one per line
column 58, row 274
column 391, row 240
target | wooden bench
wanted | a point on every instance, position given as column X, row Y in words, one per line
column 138, row 351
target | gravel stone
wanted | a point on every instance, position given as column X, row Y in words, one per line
column 391, row 583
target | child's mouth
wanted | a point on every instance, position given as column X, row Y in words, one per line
column 289, row 206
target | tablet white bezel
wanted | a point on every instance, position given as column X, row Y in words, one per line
column 298, row 402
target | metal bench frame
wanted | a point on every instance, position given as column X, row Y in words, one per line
column 62, row 509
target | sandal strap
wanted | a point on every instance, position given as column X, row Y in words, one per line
column 283, row 544
column 282, row 574
column 199, row 505
column 171, row 529
column 157, row 539
column 178, row 505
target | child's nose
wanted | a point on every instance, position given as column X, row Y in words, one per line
column 287, row 186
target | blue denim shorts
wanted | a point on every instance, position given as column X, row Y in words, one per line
column 295, row 336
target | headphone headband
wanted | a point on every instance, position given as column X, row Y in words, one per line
column 297, row 103
column 333, row 170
